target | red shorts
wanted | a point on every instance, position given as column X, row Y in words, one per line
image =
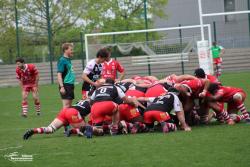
column 217, row 60
column 128, row 112
column 28, row 88
column 100, row 110
column 154, row 115
column 69, row 116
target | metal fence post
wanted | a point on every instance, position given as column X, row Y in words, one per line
column 17, row 31
column 215, row 34
column 146, row 26
column 49, row 40
column 182, row 63
column 82, row 51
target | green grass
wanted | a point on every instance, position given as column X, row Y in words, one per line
column 214, row 145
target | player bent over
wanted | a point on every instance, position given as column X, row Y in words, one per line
column 234, row 97
column 73, row 116
column 104, row 104
column 160, row 108
column 28, row 76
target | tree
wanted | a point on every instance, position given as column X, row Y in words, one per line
column 122, row 15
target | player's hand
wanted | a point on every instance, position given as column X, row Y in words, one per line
column 62, row 91
column 97, row 84
column 186, row 128
column 203, row 94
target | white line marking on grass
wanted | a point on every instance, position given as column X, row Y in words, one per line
column 2, row 149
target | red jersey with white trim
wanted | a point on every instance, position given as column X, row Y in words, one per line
column 110, row 68
column 195, row 86
column 227, row 93
column 27, row 75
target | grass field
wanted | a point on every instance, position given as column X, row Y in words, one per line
column 214, row 145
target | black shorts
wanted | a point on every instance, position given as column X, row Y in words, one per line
column 69, row 88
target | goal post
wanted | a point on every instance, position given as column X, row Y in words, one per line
column 164, row 49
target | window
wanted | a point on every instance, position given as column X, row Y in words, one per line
column 229, row 6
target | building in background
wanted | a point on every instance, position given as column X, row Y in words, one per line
column 231, row 31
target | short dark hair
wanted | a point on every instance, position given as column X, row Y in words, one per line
column 109, row 81
column 200, row 73
column 102, row 53
column 214, row 43
column 212, row 88
column 20, row 59
column 66, row 46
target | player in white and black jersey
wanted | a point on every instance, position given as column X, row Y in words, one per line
column 104, row 104
column 160, row 108
column 92, row 73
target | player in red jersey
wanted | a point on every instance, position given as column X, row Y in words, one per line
column 110, row 68
column 234, row 97
column 200, row 73
column 204, row 113
column 73, row 116
column 28, row 77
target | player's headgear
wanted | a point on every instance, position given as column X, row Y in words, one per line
column 213, row 87
column 200, row 73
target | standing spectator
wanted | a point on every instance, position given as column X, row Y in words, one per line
column 217, row 52
column 110, row 68
column 28, row 76
column 66, row 75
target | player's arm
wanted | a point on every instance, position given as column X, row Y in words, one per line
column 121, row 70
column 122, row 75
column 222, row 50
column 18, row 77
column 60, row 70
column 180, row 114
column 86, row 79
column 206, row 85
column 215, row 97
column 181, row 78
column 36, row 73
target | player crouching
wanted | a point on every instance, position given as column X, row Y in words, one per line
column 234, row 97
column 160, row 108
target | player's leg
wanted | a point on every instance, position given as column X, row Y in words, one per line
column 68, row 96
column 25, row 93
column 238, row 103
column 222, row 114
column 181, row 117
column 54, row 125
column 115, row 120
column 219, row 70
column 35, row 95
